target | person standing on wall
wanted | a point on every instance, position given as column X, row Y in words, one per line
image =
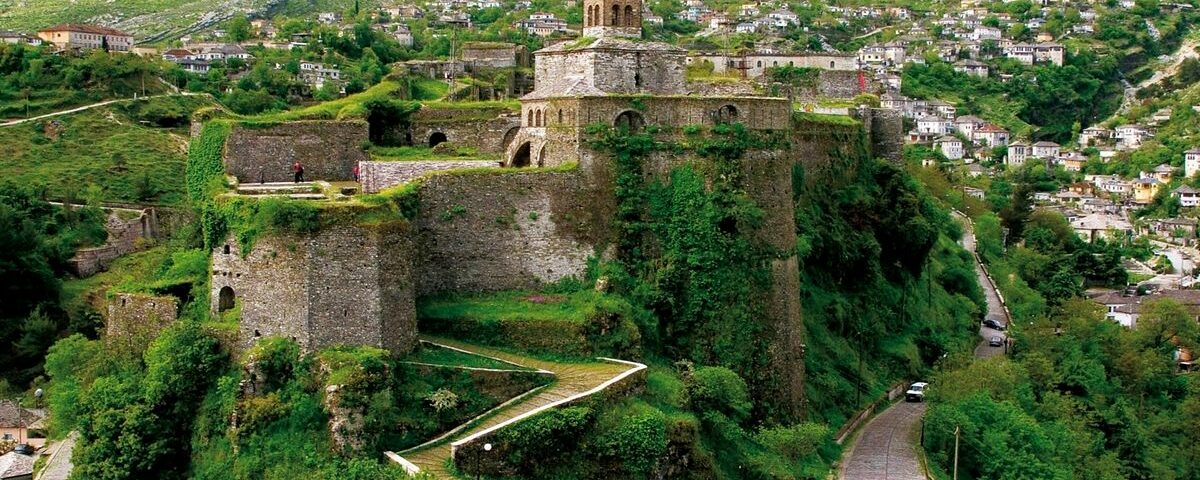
column 298, row 172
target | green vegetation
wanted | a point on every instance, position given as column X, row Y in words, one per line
column 579, row 323
column 1083, row 398
column 35, row 81
column 128, row 152
column 36, row 240
column 402, row 154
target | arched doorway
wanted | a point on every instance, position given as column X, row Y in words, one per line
column 225, row 299
column 521, row 158
column 436, row 138
column 727, row 114
column 629, row 121
column 541, row 157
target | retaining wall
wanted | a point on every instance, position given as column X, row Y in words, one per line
column 375, row 176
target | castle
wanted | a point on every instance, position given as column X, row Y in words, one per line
column 516, row 228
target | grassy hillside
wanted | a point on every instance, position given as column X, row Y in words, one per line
column 127, row 152
column 147, row 17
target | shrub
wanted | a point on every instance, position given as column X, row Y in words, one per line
column 532, row 442
column 794, row 442
column 719, row 389
column 205, row 160
column 638, row 440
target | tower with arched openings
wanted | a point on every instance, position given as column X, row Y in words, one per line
column 612, row 18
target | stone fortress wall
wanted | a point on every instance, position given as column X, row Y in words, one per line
column 133, row 319
column 483, row 130
column 328, row 150
column 344, row 284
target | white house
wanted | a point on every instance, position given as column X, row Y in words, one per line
column 950, row 146
column 1017, row 153
column 1188, row 196
column 1094, row 135
column 934, row 124
column 1131, row 136
column 1045, row 149
column 1191, row 162
column 991, row 135
column 967, row 124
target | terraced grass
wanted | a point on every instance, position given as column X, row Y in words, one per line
column 513, row 306
column 438, row 355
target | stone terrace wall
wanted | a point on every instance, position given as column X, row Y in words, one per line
column 485, row 130
column 502, row 231
column 134, row 319
column 376, row 176
column 328, row 150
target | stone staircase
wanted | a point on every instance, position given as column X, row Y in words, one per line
column 298, row 191
column 572, row 380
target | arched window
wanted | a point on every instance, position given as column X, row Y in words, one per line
column 560, row 121
column 541, row 157
column 529, row 118
column 760, row 64
column 628, row 16
column 616, row 16
column 831, row 64
column 538, row 119
column 791, row 63
column 727, row 114
column 775, row 63
column 436, row 138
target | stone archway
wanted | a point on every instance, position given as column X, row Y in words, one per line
column 727, row 114
column 522, row 156
column 541, row 156
column 226, row 299
column 630, row 121
column 509, row 136
column 435, row 138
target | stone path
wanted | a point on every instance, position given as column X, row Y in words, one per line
column 571, row 379
column 59, row 466
column 886, row 449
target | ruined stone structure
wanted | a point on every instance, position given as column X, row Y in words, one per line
column 375, row 176
column 128, row 230
column 134, row 319
column 342, row 285
column 487, row 130
column 328, row 150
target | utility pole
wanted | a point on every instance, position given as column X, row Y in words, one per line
column 956, row 430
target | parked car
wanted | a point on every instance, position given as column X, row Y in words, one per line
column 916, row 393
column 990, row 323
column 996, row 341
column 23, row 449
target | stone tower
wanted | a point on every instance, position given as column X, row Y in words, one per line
column 621, row 18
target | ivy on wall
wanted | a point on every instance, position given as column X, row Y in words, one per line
column 205, row 158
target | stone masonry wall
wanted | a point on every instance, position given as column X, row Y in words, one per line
column 328, row 150
column 480, row 232
column 270, row 283
column 485, row 131
column 134, row 319
column 341, row 285
column 376, row 176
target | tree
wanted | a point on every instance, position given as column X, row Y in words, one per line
column 238, row 28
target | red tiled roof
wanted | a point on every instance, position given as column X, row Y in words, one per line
column 93, row 29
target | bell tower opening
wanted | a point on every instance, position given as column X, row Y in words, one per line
column 619, row 18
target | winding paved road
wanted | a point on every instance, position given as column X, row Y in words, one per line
column 886, row 448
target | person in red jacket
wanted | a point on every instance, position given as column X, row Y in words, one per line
column 356, row 171
column 298, row 172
